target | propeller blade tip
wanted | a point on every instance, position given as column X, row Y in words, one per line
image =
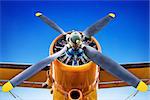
column 112, row 15
column 142, row 87
column 38, row 14
column 7, row 87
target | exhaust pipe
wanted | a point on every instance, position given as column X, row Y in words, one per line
column 75, row 94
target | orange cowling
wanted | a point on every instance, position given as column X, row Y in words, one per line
column 68, row 78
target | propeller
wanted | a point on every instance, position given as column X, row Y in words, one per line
column 50, row 22
column 31, row 71
column 96, row 27
column 75, row 41
column 114, row 68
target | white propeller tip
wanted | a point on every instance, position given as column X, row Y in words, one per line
column 38, row 14
column 112, row 15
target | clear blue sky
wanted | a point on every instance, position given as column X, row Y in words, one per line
column 26, row 39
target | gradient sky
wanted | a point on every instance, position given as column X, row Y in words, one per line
column 26, row 39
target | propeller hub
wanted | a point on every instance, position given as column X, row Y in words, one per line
column 75, row 39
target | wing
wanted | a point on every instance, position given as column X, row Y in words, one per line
column 10, row 70
column 141, row 70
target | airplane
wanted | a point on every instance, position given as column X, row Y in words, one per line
column 76, row 64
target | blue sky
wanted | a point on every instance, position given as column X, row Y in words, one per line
column 26, row 39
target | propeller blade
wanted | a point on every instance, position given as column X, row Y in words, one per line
column 96, row 27
column 50, row 22
column 31, row 71
column 114, row 68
